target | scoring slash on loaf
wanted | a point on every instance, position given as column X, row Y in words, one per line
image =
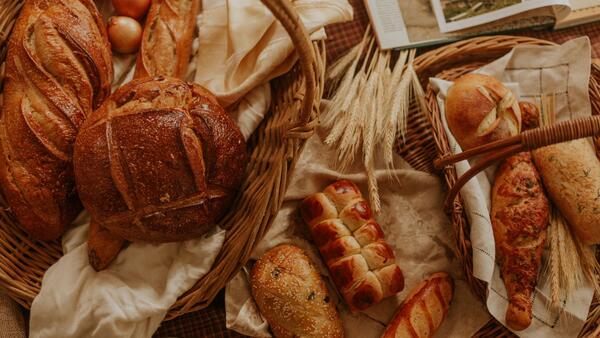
column 361, row 264
column 160, row 161
column 58, row 70
column 167, row 38
column 292, row 296
column 480, row 109
column 424, row 309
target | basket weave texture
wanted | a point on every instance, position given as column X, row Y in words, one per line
column 274, row 148
column 449, row 63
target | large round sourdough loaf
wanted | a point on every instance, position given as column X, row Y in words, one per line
column 159, row 161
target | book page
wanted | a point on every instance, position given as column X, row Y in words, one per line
column 584, row 11
column 456, row 15
column 583, row 4
column 388, row 23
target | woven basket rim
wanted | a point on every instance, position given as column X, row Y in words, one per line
column 273, row 148
column 466, row 56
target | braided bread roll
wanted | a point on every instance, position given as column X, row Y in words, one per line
column 167, row 38
column 362, row 265
column 58, row 69
column 292, row 296
column 160, row 161
column 424, row 309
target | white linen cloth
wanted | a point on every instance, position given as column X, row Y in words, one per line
column 414, row 225
column 529, row 71
column 132, row 296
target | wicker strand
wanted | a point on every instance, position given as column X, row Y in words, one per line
column 449, row 63
column 274, row 147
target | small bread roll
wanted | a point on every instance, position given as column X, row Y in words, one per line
column 292, row 296
column 480, row 109
column 423, row 310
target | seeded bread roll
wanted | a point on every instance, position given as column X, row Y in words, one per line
column 292, row 296
column 571, row 174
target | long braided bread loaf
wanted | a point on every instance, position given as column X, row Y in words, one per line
column 58, row 69
column 362, row 265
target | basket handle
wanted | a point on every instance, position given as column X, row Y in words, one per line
column 290, row 20
column 528, row 140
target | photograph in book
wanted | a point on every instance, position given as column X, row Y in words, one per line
column 455, row 10
column 459, row 15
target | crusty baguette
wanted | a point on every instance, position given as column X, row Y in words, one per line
column 571, row 174
column 58, row 69
column 292, row 296
column 520, row 213
column 361, row 264
column 167, row 38
column 424, row 309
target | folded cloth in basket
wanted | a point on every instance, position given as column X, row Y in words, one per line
column 132, row 296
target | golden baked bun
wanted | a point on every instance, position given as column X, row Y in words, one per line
column 480, row 109
column 159, row 161
column 292, row 296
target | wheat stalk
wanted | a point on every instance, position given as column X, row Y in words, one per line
column 370, row 107
column 571, row 263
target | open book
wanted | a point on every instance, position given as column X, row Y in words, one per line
column 415, row 23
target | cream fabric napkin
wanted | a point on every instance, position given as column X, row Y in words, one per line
column 132, row 296
column 531, row 71
column 414, row 225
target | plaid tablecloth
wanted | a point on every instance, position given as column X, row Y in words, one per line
column 210, row 322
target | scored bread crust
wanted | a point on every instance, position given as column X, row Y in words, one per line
column 58, row 69
column 361, row 263
column 292, row 296
column 424, row 309
column 159, row 161
column 479, row 109
column 167, row 38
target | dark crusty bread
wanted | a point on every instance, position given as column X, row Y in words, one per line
column 292, row 296
column 159, row 161
column 167, row 38
column 58, row 69
column 520, row 214
column 424, row 309
column 361, row 264
column 479, row 109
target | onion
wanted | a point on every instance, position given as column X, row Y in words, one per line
column 132, row 8
column 125, row 34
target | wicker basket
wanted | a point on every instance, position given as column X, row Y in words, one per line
column 449, row 63
column 274, row 149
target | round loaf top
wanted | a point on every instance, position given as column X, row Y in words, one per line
column 480, row 109
column 159, row 161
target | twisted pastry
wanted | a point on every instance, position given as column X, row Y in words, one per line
column 362, row 265
column 58, row 70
